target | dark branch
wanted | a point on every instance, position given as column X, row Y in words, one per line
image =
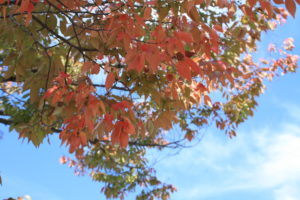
column 172, row 145
column 12, row 78
column 5, row 121
column 60, row 37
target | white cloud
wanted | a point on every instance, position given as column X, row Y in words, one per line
column 265, row 159
column 287, row 192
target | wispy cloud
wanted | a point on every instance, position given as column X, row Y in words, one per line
column 287, row 192
column 264, row 159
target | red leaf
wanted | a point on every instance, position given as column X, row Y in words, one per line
column 83, row 139
column 147, row 13
column 266, row 5
column 129, row 128
column 252, row 3
column 291, row 7
column 110, row 80
column 193, row 65
column 298, row 2
column 86, row 67
column 50, row 91
column 189, row 54
column 115, row 136
column 185, row 36
column 124, row 139
column 138, row 63
column 141, row 63
column 279, row 1
column 184, row 70
column 95, row 69
column 218, row 27
column 24, row 5
column 169, row 77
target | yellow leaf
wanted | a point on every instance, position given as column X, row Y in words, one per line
column 163, row 12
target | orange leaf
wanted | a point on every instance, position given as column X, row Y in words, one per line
column 189, row 136
column 110, row 80
column 83, row 138
column 207, row 100
column 291, row 7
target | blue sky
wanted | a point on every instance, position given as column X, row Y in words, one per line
column 261, row 163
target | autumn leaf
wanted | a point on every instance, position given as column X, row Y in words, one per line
column 147, row 13
column 279, row 1
column 218, row 27
column 291, row 7
column 115, row 137
column 185, row 36
column 128, row 126
column 110, row 80
column 207, row 100
column 189, row 136
column 184, row 70
column 252, row 3
column 83, row 138
column 124, row 139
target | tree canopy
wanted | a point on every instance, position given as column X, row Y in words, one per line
column 114, row 77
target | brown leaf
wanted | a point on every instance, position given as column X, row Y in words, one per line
column 291, row 7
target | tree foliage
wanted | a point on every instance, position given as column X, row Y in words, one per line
column 112, row 77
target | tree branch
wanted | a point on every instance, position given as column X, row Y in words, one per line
column 60, row 37
column 95, row 141
column 2, row 112
column 12, row 79
column 5, row 121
